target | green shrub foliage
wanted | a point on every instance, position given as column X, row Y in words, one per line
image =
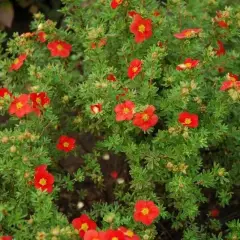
column 156, row 83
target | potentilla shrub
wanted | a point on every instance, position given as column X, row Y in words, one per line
column 158, row 83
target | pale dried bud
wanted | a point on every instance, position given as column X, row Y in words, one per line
column 221, row 172
column 40, row 27
column 185, row 134
column 80, row 205
column 184, row 91
column 171, row 130
column 106, row 157
column 26, row 174
column 30, row 221
column 55, row 231
column 4, row 139
column 193, row 85
column 65, row 99
column 13, row 149
column 169, row 166
column 120, row 180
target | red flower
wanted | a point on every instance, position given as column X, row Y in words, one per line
column 145, row 212
column 156, row 13
column 18, row 62
column 132, row 13
column 102, row 42
column 43, row 180
column 188, row 33
column 39, row 101
column 116, row 3
column 220, row 51
column 96, row 108
column 114, row 174
column 214, row 213
column 222, row 24
column 114, row 235
column 188, row 64
column 93, row 45
column 111, row 77
column 94, row 235
column 146, row 119
column 124, row 111
column 83, row 224
column 59, row 48
column 4, row 92
column 129, row 234
column 134, row 68
column 66, row 143
column 231, row 81
column 187, row 119
column 6, row 238
column 141, row 28
column 20, row 106
column 41, row 37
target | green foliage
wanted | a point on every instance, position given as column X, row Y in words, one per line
column 171, row 165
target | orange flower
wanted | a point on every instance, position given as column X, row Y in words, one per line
column 188, row 33
column 141, row 28
column 6, row 237
column 18, row 62
column 230, row 82
column 20, row 106
column 116, row 3
column 41, row 37
column 131, row 14
column 124, row 111
column 145, row 212
column 43, row 180
column 111, row 77
column 220, row 50
column 4, row 92
column 83, row 224
column 187, row 119
column 188, row 64
column 129, row 234
column 59, row 48
column 94, row 235
column 114, row 235
column 146, row 119
column 96, row 108
column 66, row 143
column 134, row 68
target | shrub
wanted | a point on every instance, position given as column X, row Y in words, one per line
column 156, row 84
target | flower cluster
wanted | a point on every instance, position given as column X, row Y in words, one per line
column 27, row 103
column 145, row 212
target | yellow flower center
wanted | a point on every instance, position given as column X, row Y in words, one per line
column 114, row 238
column 84, row 227
column 126, row 110
column 19, row 105
column 141, row 28
column 118, row 1
column 145, row 117
column 188, row 65
column 43, row 181
column 129, row 233
column 187, row 121
column 59, row 47
column 16, row 61
column 145, row 211
column 38, row 100
column 66, row 144
column 135, row 69
column 189, row 33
